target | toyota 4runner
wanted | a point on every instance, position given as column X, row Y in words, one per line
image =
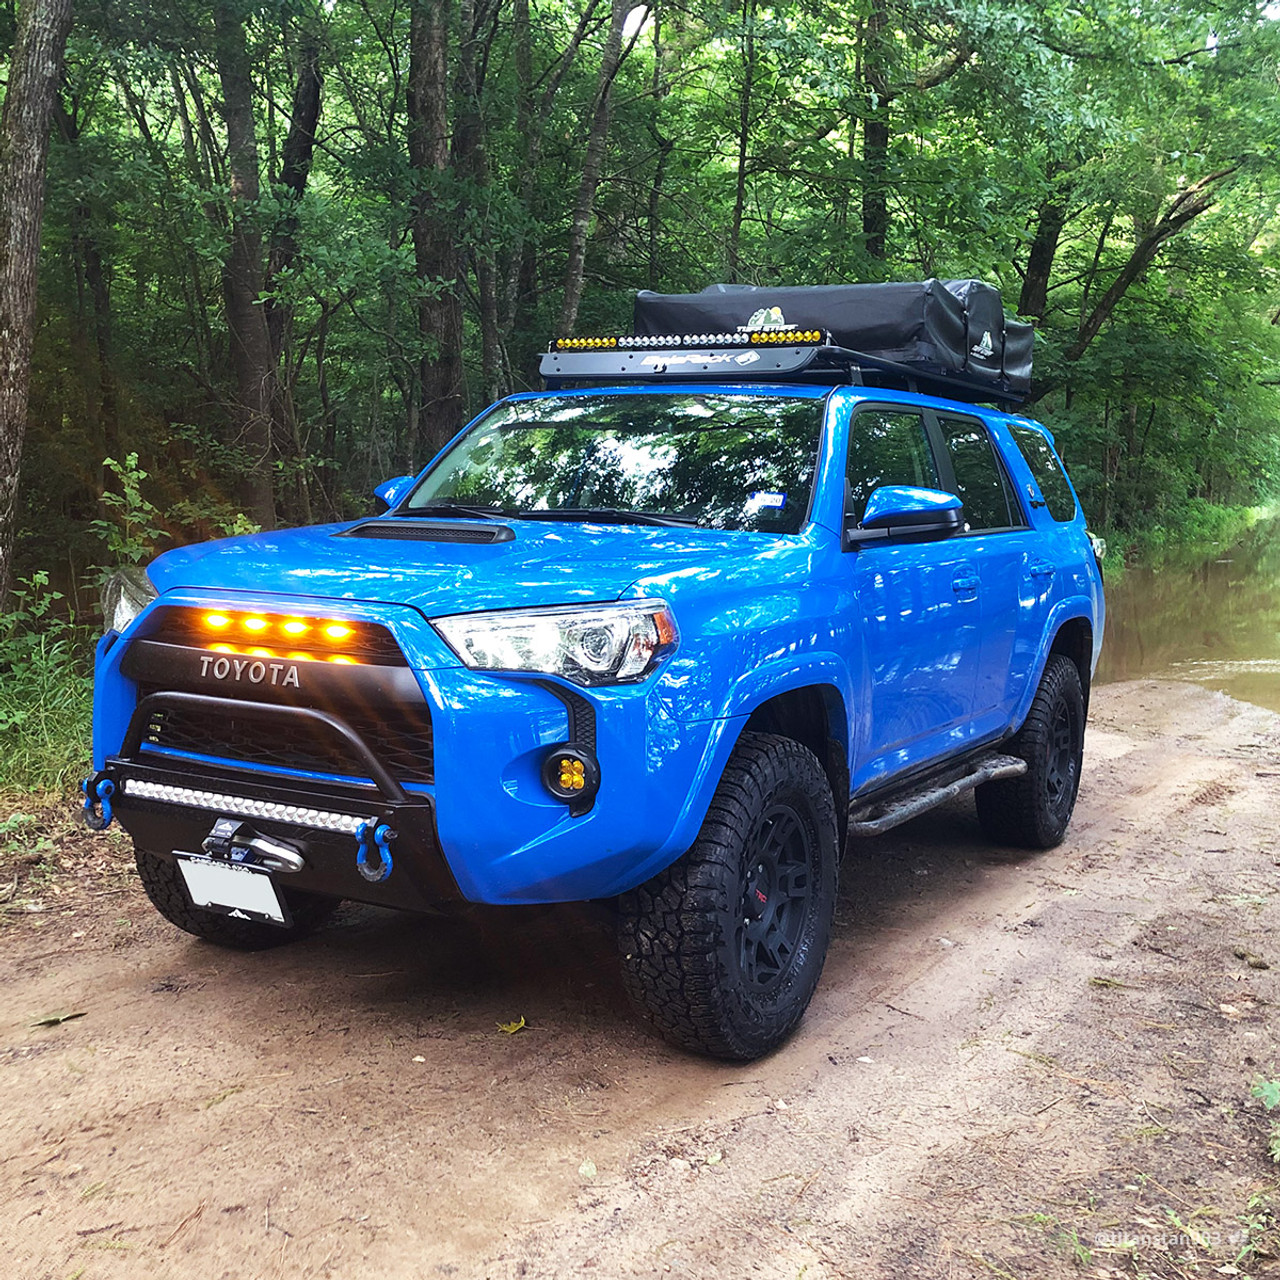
column 669, row 633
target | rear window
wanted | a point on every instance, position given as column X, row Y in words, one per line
column 1048, row 472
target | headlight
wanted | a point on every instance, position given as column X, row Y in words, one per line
column 124, row 595
column 594, row 645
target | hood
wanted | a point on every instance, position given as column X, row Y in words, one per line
column 543, row 564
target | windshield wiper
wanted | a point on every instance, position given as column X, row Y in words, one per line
column 455, row 509
column 607, row 515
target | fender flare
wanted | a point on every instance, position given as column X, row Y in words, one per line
column 1068, row 610
column 753, row 689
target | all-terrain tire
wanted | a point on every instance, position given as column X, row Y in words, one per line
column 163, row 882
column 722, row 950
column 1033, row 810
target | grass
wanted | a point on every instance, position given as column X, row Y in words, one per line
column 46, row 693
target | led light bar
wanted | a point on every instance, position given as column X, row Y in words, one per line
column 753, row 338
column 243, row 806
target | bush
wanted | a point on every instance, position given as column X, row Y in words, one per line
column 46, row 691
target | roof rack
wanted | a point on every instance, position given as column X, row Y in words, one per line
column 762, row 355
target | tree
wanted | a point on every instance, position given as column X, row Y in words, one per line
column 35, row 67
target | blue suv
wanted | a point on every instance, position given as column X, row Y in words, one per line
column 668, row 633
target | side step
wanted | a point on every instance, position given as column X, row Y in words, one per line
column 882, row 815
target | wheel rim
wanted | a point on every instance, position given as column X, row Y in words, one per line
column 1063, row 763
column 775, row 898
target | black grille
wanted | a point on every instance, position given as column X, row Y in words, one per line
column 401, row 738
column 179, row 624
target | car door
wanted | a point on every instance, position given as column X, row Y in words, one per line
column 1002, row 548
column 918, row 607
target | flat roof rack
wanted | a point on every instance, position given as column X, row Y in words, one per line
column 769, row 355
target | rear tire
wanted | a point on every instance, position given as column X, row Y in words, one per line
column 1033, row 810
column 163, row 882
column 722, row 950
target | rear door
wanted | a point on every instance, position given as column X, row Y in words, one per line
column 1002, row 548
column 918, row 606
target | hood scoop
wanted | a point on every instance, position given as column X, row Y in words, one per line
column 399, row 529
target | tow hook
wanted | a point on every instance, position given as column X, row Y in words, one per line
column 97, row 802
column 239, row 842
column 374, row 838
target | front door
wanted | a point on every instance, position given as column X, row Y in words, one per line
column 919, row 606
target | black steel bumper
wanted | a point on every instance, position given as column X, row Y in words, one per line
column 167, row 803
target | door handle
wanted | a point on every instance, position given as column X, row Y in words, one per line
column 1042, row 569
column 965, row 584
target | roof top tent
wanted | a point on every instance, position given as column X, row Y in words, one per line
column 945, row 337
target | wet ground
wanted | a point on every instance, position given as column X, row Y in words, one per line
column 1020, row 1067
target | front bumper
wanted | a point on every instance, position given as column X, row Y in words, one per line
column 484, row 828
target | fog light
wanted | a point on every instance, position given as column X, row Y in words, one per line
column 572, row 774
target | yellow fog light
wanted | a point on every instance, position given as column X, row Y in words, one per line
column 572, row 773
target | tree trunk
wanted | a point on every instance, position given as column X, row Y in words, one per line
column 295, row 168
column 592, row 168
column 1044, row 248
column 441, row 406
column 35, row 68
column 875, row 132
column 242, row 279
column 299, row 149
column 1185, row 208
column 744, row 135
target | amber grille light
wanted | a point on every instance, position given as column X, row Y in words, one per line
column 292, row 637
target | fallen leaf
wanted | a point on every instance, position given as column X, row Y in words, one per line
column 57, row 1019
column 510, row 1028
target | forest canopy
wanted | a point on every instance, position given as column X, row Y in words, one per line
column 290, row 247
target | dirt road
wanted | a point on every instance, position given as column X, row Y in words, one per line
column 1018, row 1068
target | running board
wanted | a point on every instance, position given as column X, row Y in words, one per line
column 882, row 815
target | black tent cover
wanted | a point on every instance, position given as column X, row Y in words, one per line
column 938, row 327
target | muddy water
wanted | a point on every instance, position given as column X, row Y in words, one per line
column 1214, row 621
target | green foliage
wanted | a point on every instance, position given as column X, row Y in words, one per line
column 996, row 111
column 131, row 537
column 1268, row 1093
column 46, row 691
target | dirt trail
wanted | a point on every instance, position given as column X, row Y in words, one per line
column 1012, row 1068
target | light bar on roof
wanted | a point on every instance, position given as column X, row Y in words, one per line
column 696, row 341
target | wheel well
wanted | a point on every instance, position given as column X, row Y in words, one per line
column 1075, row 641
column 814, row 716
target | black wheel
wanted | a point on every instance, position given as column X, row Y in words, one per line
column 163, row 882
column 723, row 950
column 1033, row 810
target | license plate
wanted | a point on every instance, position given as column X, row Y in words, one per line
column 234, row 889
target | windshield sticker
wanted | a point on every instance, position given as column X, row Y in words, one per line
column 764, row 499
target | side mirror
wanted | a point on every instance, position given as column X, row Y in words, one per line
column 903, row 512
column 389, row 492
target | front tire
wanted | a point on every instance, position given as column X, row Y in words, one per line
column 163, row 882
column 722, row 951
column 1033, row 810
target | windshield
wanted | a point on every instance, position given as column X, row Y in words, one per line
column 720, row 461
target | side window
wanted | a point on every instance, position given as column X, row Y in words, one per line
column 979, row 484
column 1047, row 471
column 887, row 446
